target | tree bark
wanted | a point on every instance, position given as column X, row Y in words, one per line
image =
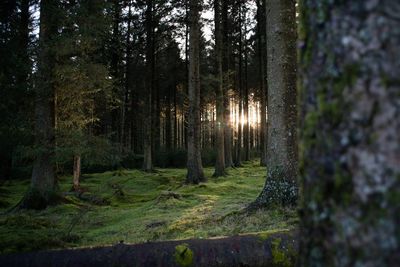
column 262, row 47
column 350, row 148
column 116, row 115
column 77, row 172
column 168, row 124
column 219, row 93
column 147, row 123
column 43, row 181
column 239, row 141
column 281, row 186
column 195, row 172
column 227, row 84
column 246, row 128
column 128, row 91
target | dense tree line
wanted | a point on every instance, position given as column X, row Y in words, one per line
column 118, row 74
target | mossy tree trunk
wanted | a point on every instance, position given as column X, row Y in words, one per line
column 195, row 172
column 43, row 181
column 350, row 164
column 281, row 186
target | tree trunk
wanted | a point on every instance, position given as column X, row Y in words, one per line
column 350, row 162
column 220, row 160
column 156, row 113
column 227, row 84
column 77, row 172
column 147, row 123
column 43, row 182
column 281, row 187
column 263, row 88
column 128, row 92
column 239, row 142
column 116, row 115
column 238, row 156
column 168, row 124
column 176, row 123
column 195, row 172
column 246, row 128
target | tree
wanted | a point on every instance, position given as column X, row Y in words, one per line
column 246, row 123
column 195, row 172
column 262, row 47
column 115, row 111
column 15, row 82
column 150, row 65
column 226, row 83
column 350, row 146
column 240, row 139
column 281, row 187
column 43, row 182
column 219, row 93
column 80, row 77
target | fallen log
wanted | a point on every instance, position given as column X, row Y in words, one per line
column 263, row 249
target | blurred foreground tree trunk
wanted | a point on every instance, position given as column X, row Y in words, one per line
column 350, row 164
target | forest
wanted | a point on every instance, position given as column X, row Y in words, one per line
column 200, row 133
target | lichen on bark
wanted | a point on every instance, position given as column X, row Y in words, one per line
column 349, row 150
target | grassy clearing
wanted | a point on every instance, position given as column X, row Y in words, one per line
column 140, row 207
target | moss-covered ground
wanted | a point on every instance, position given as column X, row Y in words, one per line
column 132, row 206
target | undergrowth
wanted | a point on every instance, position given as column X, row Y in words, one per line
column 140, row 207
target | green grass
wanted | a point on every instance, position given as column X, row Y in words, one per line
column 147, row 210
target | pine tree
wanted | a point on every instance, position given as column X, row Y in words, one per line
column 16, row 47
column 150, row 65
column 81, row 77
column 43, row 181
column 219, row 93
column 227, row 83
column 262, row 47
column 195, row 172
column 281, row 183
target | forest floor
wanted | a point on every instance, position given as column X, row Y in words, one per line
column 132, row 206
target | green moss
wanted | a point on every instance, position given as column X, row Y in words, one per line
column 280, row 257
column 200, row 212
column 263, row 236
column 183, row 255
column 330, row 107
